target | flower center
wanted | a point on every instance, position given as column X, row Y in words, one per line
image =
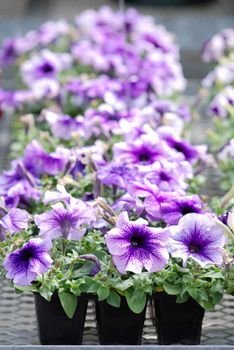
column 179, row 147
column 47, row 68
column 144, row 157
column 65, row 225
column 27, row 254
column 193, row 248
column 136, row 241
column 188, row 209
column 164, row 176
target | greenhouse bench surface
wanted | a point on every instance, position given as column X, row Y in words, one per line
column 18, row 324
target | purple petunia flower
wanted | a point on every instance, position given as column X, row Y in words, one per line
column 26, row 263
column 18, row 184
column 50, row 31
column 13, row 221
column 62, row 126
column 142, row 152
column 8, row 52
column 65, row 222
column 219, row 45
column 46, row 65
column 115, row 173
column 199, row 237
column 38, row 162
column 190, row 153
column 134, row 245
column 221, row 103
column 223, row 73
column 174, row 208
column 61, row 195
column 226, row 221
column 227, row 151
column 169, row 176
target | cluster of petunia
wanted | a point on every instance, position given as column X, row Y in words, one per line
column 218, row 95
column 101, row 197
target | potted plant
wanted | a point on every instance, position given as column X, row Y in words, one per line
column 187, row 274
column 52, row 267
column 192, row 282
column 122, row 286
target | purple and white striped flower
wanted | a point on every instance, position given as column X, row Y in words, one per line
column 226, row 221
column 25, row 264
column 67, row 222
column 38, row 161
column 13, row 221
column 169, row 176
column 62, row 126
column 221, row 103
column 115, row 173
column 134, row 245
column 199, row 237
column 18, row 184
column 218, row 45
column 144, row 151
column 46, row 65
column 174, row 208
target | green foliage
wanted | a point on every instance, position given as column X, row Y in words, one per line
column 204, row 284
column 69, row 303
column 136, row 300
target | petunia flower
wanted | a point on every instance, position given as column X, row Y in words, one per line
column 168, row 175
column 62, row 126
column 142, row 152
column 60, row 195
column 67, row 222
column 221, row 103
column 13, row 221
column 199, row 237
column 134, row 245
column 190, row 153
column 218, row 45
column 26, row 263
column 172, row 209
column 18, row 184
column 39, row 162
column 115, row 173
column 226, row 221
column 47, row 64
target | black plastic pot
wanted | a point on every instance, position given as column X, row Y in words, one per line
column 177, row 323
column 54, row 327
column 119, row 326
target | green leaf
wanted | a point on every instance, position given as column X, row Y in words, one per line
column 69, row 303
column 103, row 293
column 203, row 295
column 26, row 289
column 180, row 299
column 213, row 274
column 46, row 293
column 136, row 300
column 123, row 285
column 193, row 293
column 217, row 297
column 172, row 289
column 114, row 299
column 89, row 286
